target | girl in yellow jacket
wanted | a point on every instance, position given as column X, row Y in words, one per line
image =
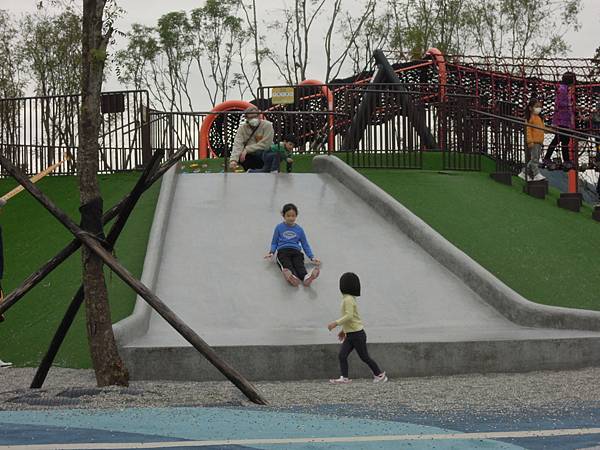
column 353, row 334
column 534, row 139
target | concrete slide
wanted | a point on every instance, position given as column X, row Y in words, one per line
column 206, row 263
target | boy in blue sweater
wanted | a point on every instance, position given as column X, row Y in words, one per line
column 288, row 241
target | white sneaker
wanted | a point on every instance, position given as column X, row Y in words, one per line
column 5, row 364
column 312, row 276
column 290, row 277
column 539, row 177
column 340, row 380
column 381, row 378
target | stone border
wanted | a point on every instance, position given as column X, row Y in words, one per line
column 493, row 291
column 136, row 325
column 398, row 359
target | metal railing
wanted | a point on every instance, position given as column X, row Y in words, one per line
column 36, row 132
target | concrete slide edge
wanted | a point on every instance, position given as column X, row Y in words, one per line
column 491, row 290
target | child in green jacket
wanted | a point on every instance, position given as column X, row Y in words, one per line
column 272, row 158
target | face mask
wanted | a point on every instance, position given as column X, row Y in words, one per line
column 537, row 110
column 253, row 122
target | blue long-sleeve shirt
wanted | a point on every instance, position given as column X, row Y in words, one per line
column 285, row 236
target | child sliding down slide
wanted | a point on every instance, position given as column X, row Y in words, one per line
column 288, row 241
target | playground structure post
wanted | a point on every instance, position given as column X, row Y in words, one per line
column 366, row 107
column 440, row 62
column 573, row 175
column 154, row 301
column 418, row 122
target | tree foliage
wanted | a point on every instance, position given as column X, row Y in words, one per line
column 11, row 67
column 161, row 58
column 522, row 28
column 225, row 45
column 51, row 49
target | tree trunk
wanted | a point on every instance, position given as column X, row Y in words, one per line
column 103, row 349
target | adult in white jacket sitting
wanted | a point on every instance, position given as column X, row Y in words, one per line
column 253, row 137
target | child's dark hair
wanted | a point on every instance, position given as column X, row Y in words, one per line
column 289, row 207
column 530, row 105
column 568, row 78
column 350, row 284
column 291, row 138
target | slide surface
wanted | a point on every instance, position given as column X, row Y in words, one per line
column 213, row 274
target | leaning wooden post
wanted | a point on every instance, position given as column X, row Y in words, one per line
column 35, row 278
column 111, row 239
column 154, row 301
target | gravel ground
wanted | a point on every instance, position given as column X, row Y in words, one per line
column 491, row 393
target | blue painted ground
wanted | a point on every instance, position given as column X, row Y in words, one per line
column 156, row 425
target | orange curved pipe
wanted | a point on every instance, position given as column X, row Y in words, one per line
column 229, row 105
column 330, row 108
column 440, row 61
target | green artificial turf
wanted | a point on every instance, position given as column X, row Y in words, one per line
column 545, row 253
column 32, row 236
column 302, row 164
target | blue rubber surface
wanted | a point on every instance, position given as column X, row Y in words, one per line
column 173, row 424
column 157, row 425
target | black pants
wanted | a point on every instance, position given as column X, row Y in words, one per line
column 292, row 259
column 358, row 341
column 253, row 160
column 564, row 144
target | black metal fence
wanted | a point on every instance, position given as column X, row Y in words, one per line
column 462, row 134
column 36, row 132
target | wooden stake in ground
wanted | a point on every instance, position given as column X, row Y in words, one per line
column 34, row 179
column 107, row 363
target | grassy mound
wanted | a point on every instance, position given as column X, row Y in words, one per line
column 545, row 253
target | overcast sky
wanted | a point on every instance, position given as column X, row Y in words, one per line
column 583, row 42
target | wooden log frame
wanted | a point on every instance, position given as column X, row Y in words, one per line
column 154, row 301
column 32, row 280
column 111, row 239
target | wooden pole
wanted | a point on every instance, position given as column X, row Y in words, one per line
column 37, row 177
column 111, row 239
column 154, row 301
column 36, row 277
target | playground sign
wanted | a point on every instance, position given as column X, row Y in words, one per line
column 282, row 95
